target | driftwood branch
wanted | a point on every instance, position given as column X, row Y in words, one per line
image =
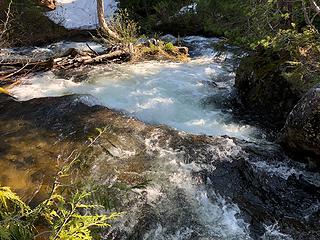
column 12, row 68
column 72, row 58
column 78, row 58
column 13, row 73
column 103, row 24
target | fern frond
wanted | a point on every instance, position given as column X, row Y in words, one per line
column 9, row 201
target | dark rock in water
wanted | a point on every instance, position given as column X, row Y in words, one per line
column 183, row 169
column 169, row 38
column 263, row 90
column 266, row 185
column 301, row 133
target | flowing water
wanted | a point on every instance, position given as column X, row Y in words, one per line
column 180, row 95
column 189, row 97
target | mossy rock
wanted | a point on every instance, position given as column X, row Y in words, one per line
column 263, row 89
column 301, row 133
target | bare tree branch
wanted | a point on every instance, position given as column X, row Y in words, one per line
column 6, row 22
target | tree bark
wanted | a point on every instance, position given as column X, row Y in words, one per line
column 102, row 21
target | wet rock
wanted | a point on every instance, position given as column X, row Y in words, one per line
column 301, row 133
column 169, row 38
column 268, row 191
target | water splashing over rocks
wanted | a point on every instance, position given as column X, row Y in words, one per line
column 200, row 187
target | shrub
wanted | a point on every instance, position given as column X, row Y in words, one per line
column 126, row 28
column 169, row 47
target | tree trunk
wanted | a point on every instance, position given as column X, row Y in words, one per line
column 102, row 21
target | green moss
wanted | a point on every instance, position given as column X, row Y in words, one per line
column 169, row 47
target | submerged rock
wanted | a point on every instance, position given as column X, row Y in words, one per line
column 301, row 133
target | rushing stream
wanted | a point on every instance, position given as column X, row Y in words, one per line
column 180, row 95
column 188, row 97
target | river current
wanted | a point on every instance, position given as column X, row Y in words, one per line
column 189, row 97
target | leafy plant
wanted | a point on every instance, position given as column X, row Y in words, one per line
column 169, row 47
column 126, row 28
column 63, row 215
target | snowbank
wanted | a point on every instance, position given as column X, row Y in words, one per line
column 75, row 14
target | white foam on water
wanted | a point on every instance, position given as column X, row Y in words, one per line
column 284, row 171
column 273, row 233
column 177, row 190
column 156, row 92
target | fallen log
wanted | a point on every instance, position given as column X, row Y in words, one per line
column 31, row 64
column 72, row 58
column 12, row 68
column 79, row 58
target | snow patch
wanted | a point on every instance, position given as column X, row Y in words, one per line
column 80, row 14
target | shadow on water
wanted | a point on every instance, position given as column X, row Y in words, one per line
column 34, row 137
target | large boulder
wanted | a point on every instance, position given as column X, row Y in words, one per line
column 301, row 133
column 262, row 88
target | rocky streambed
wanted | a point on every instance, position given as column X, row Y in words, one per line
column 200, row 187
column 193, row 186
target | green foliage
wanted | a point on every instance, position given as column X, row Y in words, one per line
column 155, row 16
column 124, row 26
column 290, row 40
column 65, row 216
column 13, row 224
column 242, row 22
column 169, row 47
column 68, row 222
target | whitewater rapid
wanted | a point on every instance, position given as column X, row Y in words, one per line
column 186, row 96
column 191, row 97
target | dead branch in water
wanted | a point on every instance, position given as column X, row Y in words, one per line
column 75, row 58
column 72, row 58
